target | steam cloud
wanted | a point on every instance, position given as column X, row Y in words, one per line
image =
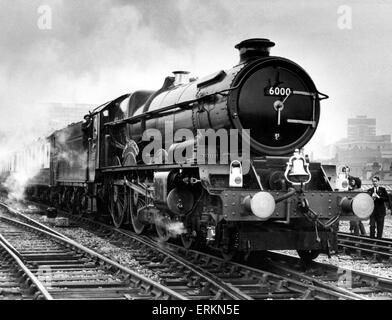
column 96, row 50
column 174, row 228
column 26, row 164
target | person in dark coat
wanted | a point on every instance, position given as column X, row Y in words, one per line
column 380, row 197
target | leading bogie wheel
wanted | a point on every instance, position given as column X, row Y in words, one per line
column 188, row 240
column 190, row 234
column 161, row 226
column 228, row 241
column 228, row 254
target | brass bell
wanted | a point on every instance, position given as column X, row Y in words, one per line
column 297, row 170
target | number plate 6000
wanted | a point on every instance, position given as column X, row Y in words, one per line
column 278, row 91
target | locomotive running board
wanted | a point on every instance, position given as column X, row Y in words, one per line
column 157, row 167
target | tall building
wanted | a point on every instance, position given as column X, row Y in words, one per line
column 363, row 148
column 361, row 128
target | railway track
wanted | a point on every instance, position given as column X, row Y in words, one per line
column 16, row 280
column 305, row 286
column 67, row 270
column 316, row 281
column 366, row 285
column 377, row 249
column 179, row 276
column 235, row 281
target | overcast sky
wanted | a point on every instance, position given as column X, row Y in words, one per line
column 99, row 49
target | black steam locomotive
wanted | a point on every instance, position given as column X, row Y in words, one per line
column 146, row 160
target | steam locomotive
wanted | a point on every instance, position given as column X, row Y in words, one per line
column 145, row 159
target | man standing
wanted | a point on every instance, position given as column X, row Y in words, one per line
column 380, row 197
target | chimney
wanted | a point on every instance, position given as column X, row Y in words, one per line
column 181, row 77
column 251, row 49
